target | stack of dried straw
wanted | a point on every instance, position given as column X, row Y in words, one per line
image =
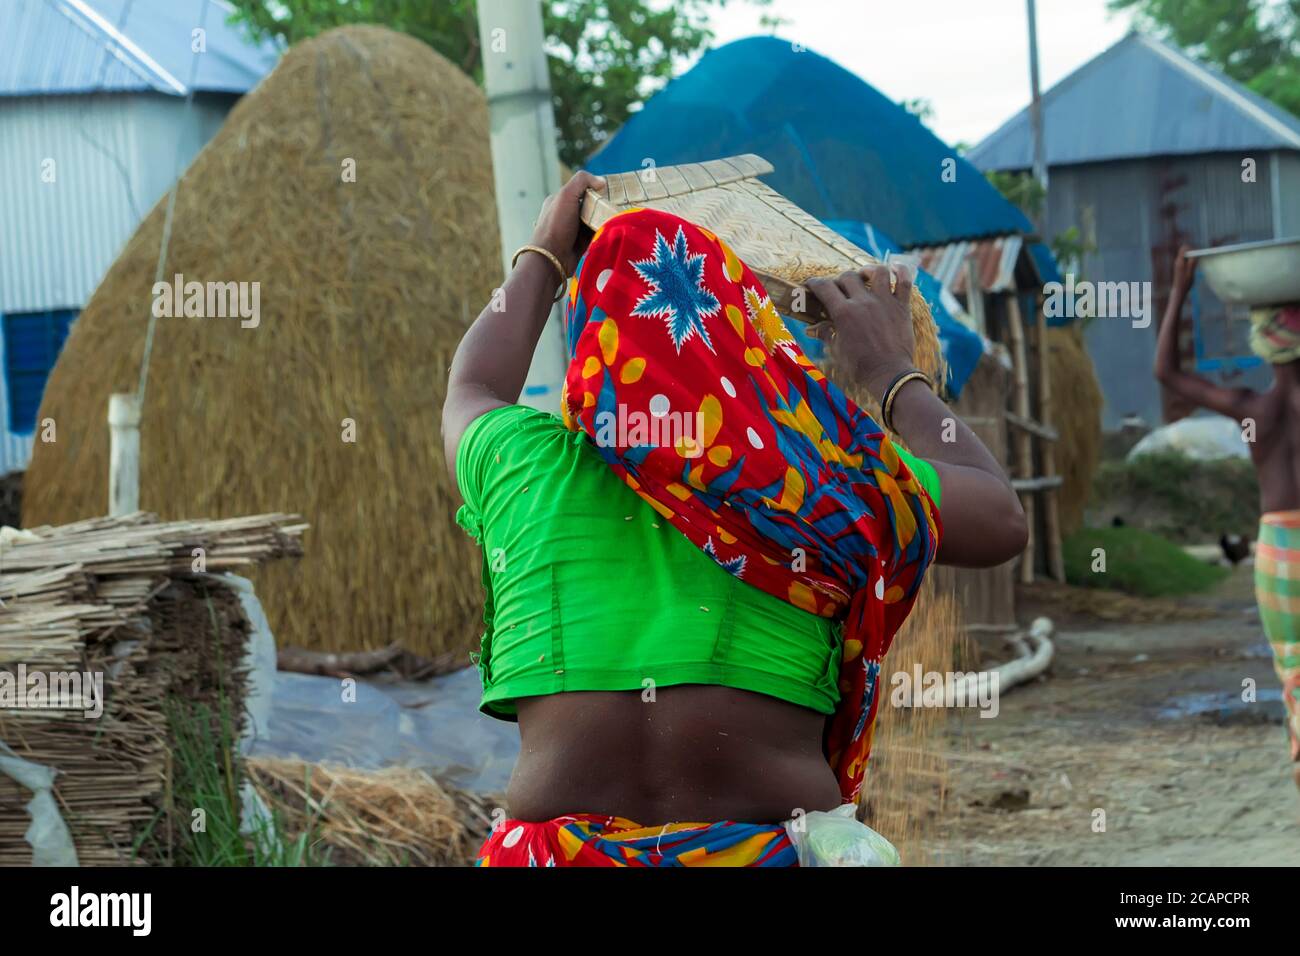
column 117, row 597
column 391, row 817
column 355, row 185
column 905, row 794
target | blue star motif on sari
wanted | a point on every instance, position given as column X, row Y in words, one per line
column 677, row 291
column 735, row 566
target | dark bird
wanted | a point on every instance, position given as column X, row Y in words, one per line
column 1235, row 547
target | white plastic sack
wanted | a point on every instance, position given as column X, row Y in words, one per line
column 1203, row 438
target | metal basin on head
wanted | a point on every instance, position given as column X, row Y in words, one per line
column 1253, row 273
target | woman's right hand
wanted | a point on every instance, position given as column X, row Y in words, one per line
column 870, row 331
column 559, row 224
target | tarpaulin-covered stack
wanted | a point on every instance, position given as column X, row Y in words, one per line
column 118, row 598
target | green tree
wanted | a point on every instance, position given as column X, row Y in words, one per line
column 920, row 107
column 1070, row 248
column 1256, row 42
column 606, row 56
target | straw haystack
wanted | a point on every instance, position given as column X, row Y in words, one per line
column 367, row 282
column 1076, row 414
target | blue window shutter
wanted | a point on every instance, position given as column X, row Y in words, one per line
column 32, row 344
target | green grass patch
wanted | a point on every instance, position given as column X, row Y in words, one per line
column 207, row 804
column 1136, row 562
column 199, row 824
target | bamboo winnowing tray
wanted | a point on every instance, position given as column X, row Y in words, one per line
column 782, row 244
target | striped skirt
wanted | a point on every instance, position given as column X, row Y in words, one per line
column 1277, row 589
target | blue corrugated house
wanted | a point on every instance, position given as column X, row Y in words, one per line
column 842, row 150
column 93, row 127
column 1148, row 149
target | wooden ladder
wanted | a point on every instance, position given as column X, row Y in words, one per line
column 1034, row 488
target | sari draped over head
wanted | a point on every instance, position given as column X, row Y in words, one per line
column 694, row 392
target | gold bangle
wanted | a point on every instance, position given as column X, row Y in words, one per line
column 555, row 261
column 891, row 393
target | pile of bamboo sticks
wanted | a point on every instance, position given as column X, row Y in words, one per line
column 126, row 598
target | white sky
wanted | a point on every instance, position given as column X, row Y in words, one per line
column 969, row 58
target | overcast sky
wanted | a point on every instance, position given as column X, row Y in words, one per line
column 969, row 58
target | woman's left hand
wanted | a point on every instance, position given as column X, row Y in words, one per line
column 873, row 337
column 559, row 225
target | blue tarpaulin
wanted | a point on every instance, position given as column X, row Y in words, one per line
column 841, row 149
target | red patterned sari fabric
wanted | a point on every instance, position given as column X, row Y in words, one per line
column 590, row 839
column 696, row 394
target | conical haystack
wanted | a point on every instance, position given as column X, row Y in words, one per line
column 1076, row 414
column 365, row 289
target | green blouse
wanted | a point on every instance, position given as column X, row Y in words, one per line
column 587, row 588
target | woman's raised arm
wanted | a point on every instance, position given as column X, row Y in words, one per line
column 983, row 523
column 491, row 362
column 1233, row 402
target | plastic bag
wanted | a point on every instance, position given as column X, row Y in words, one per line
column 48, row 835
column 837, row 838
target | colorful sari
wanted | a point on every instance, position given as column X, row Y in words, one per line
column 588, row 839
column 697, row 395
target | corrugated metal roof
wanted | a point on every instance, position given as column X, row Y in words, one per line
column 1141, row 97
column 962, row 345
column 121, row 46
column 996, row 262
column 842, row 150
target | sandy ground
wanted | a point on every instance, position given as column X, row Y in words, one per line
column 1144, row 722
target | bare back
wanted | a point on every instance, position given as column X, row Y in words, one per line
column 696, row 753
column 1275, row 450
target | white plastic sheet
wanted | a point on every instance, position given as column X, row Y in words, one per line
column 48, row 835
column 433, row 725
column 1201, row 438
column 259, row 659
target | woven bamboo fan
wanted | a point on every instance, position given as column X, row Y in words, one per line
column 781, row 243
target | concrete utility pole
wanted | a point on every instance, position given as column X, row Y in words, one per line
column 525, row 162
column 1036, row 113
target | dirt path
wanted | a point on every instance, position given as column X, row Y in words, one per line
column 1144, row 722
